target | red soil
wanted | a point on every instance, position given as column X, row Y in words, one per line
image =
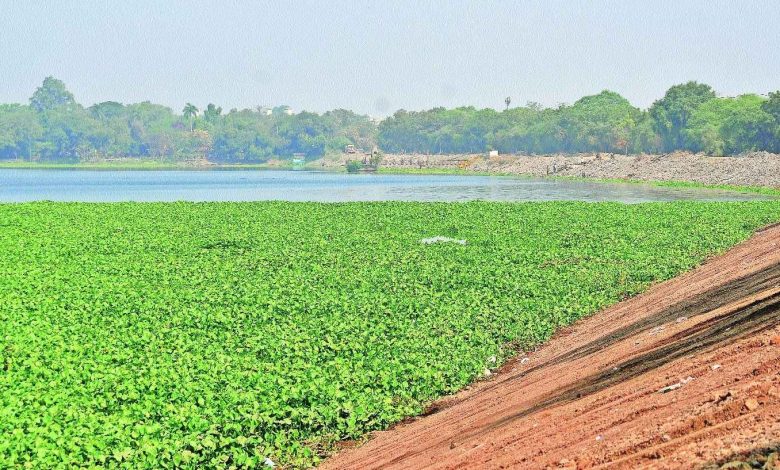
column 591, row 397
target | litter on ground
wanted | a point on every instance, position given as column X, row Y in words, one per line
column 440, row 239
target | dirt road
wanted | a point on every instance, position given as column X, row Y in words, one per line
column 684, row 376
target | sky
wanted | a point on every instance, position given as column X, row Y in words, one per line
column 379, row 56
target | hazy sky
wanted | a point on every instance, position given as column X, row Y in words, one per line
column 377, row 56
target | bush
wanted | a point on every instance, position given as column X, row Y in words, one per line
column 353, row 166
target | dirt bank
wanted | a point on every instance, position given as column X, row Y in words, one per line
column 683, row 376
column 753, row 169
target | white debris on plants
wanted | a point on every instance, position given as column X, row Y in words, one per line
column 440, row 239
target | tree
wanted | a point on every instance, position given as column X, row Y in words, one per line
column 304, row 133
column 52, row 94
column 602, row 122
column 152, row 127
column 643, row 135
column 19, row 129
column 212, row 113
column 729, row 125
column 772, row 107
column 672, row 112
column 111, row 136
column 244, row 136
column 190, row 112
column 67, row 133
column 749, row 128
column 107, row 110
column 507, row 101
column 346, row 127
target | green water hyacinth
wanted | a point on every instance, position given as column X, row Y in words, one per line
column 220, row 335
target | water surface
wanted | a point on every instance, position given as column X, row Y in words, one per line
column 18, row 185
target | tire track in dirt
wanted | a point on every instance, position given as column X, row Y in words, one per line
column 729, row 326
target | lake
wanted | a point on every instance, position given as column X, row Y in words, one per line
column 18, row 185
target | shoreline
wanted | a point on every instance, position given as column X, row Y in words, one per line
column 751, row 173
column 767, row 190
column 757, row 172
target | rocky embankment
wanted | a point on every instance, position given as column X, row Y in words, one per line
column 753, row 169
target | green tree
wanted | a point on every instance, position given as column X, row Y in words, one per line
column 212, row 113
column 349, row 128
column 730, row 125
column 643, row 136
column 107, row 110
column 153, row 128
column 772, row 107
column 513, row 130
column 111, row 136
column 52, row 94
column 19, row 129
column 245, row 136
column 602, row 122
column 67, row 133
column 304, row 133
column 672, row 112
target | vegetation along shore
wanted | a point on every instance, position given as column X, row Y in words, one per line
column 54, row 128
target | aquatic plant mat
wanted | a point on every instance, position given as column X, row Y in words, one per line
column 226, row 334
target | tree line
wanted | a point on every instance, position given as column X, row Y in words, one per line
column 689, row 117
column 54, row 127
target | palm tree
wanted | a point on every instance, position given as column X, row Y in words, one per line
column 190, row 111
column 507, row 100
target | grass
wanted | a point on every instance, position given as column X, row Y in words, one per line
column 766, row 190
column 153, row 335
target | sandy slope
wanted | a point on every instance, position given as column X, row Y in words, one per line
column 591, row 397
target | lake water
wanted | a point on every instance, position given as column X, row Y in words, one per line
column 258, row 185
